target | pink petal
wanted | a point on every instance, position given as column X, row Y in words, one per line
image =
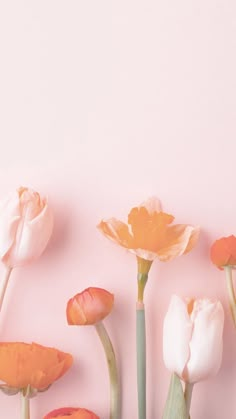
column 9, row 221
column 31, row 239
column 152, row 204
column 177, row 333
column 206, row 343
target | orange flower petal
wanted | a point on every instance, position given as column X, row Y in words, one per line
column 223, row 251
column 116, row 231
column 23, row 364
column 148, row 233
column 180, row 239
column 72, row 413
column 148, row 230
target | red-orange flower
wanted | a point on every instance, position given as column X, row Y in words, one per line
column 23, row 365
column 89, row 306
column 149, row 234
column 223, row 251
column 72, row 413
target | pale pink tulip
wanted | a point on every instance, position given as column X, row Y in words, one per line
column 26, row 224
column 192, row 338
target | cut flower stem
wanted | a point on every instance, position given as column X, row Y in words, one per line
column 142, row 278
column 113, row 372
column 25, row 407
column 231, row 292
column 141, row 359
column 188, row 396
column 3, row 285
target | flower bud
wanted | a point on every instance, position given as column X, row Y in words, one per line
column 89, row 306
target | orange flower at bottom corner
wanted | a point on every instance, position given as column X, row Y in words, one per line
column 72, row 413
column 24, row 365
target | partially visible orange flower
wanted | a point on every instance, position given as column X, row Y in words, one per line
column 223, row 251
column 71, row 413
column 89, row 306
column 149, row 234
column 23, row 365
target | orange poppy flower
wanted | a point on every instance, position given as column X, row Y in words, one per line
column 149, row 234
column 72, row 413
column 223, row 252
column 89, row 306
column 23, row 365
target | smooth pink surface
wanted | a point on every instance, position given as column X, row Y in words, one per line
column 102, row 105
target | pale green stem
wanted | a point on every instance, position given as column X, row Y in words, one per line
column 231, row 293
column 113, row 372
column 141, row 338
column 25, row 407
column 141, row 359
column 3, row 285
column 188, row 396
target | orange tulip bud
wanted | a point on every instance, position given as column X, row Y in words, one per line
column 71, row 413
column 89, row 306
column 223, row 252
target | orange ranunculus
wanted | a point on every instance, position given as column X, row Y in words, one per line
column 149, row 234
column 71, row 413
column 223, row 252
column 23, row 365
column 26, row 224
column 89, row 306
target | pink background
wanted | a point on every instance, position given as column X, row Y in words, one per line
column 102, row 105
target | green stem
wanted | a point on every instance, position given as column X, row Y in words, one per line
column 142, row 280
column 188, row 396
column 143, row 270
column 25, row 407
column 3, row 285
column 231, row 293
column 113, row 373
column 141, row 359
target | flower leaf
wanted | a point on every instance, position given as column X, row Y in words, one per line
column 175, row 407
column 10, row 391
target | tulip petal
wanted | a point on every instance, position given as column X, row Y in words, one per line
column 31, row 238
column 9, row 221
column 180, row 239
column 177, row 333
column 206, row 343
